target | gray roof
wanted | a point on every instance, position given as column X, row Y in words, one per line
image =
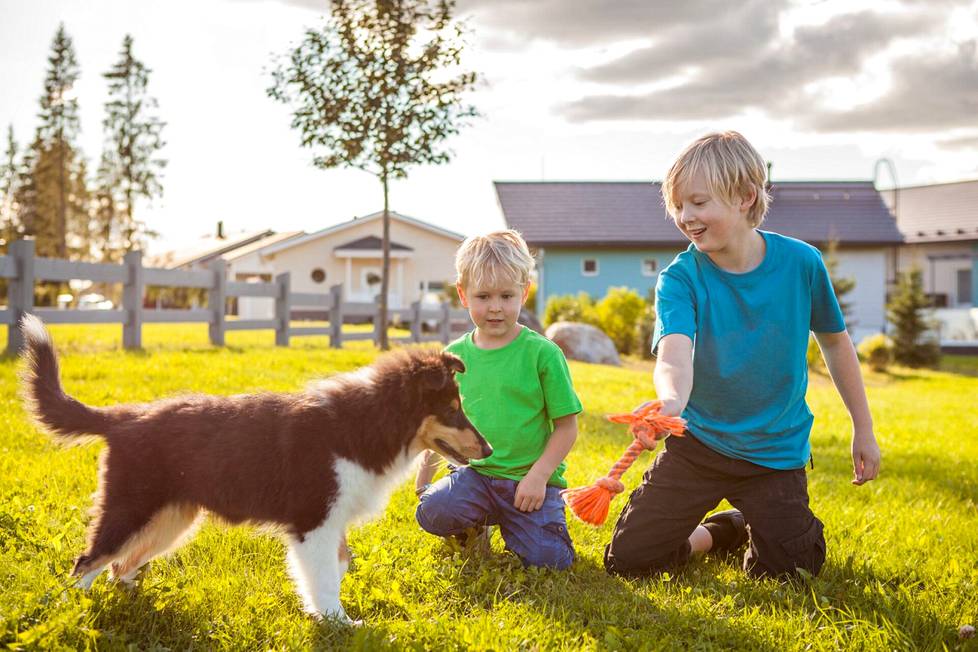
column 937, row 213
column 632, row 214
column 371, row 242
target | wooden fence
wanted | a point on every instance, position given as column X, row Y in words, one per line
column 22, row 269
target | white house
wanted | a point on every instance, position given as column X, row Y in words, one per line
column 422, row 260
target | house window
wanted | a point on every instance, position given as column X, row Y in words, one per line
column 964, row 286
column 650, row 266
column 318, row 275
column 589, row 267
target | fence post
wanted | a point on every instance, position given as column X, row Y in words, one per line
column 283, row 309
column 132, row 300
column 336, row 316
column 216, row 298
column 20, row 290
column 446, row 322
column 416, row 321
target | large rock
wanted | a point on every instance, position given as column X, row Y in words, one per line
column 528, row 319
column 583, row 342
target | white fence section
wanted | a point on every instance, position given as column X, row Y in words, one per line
column 23, row 269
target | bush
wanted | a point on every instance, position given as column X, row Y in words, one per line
column 877, row 352
column 814, row 354
column 619, row 315
column 567, row 307
column 913, row 344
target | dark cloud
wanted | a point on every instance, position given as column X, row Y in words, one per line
column 586, row 22
column 770, row 79
column 928, row 93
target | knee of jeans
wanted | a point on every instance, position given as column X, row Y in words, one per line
column 557, row 556
column 434, row 515
column 805, row 552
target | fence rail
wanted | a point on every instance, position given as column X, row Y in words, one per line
column 24, row 269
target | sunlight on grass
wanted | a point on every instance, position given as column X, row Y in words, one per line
column 902, row 568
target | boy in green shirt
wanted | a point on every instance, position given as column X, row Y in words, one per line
column 517, row 390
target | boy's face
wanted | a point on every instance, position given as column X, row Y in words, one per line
column 708, row 221
column 494, row 310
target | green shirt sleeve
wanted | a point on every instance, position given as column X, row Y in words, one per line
column 559, row 396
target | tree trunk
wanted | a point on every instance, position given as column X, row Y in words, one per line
column 385, row 270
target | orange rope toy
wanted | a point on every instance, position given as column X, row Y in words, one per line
column 648, row 426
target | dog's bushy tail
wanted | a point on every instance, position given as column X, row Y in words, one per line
column 64, row 417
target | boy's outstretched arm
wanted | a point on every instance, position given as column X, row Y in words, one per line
column 532, row 489
column 673, row 375
column 430, row 461
column 843, row 365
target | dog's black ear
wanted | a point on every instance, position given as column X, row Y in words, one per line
column 454, row 363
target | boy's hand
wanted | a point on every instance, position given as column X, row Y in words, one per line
column 865, row 458
column 531, row 492
column 671, row 407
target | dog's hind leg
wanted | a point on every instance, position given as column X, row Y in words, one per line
column 167, row 530
column 314, row 564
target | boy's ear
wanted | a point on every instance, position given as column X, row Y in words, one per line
column 461, row 295
column 747, row 201
column 526, row 293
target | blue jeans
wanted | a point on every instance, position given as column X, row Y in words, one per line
column 466, row 498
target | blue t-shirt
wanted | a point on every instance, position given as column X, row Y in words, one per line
column 750, row 338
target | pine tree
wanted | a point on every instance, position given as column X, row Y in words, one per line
column 841, row 286
column 8, row 186
column 906, row 311
column 130, row 166
column 377, row 88
column 58, row 129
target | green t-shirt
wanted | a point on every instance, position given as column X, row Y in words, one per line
column 512, row 395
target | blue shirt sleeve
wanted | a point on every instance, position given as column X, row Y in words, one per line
column 675, row 307
column 826, row 314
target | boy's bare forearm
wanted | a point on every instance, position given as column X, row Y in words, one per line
column 673, row 375
column 429, row 464
column 558, row 446
column 843, row 365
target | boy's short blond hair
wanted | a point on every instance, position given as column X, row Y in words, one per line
column 493, row 260
column 732, row 168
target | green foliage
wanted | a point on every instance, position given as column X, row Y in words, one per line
column 814, row 355
column 841, row 286
column 130, row 167
column 622, row 315
column 913, row 343
column 899, row 574
column 378, row 88
column 877, row 352
column 619, row 315
column 567, row 307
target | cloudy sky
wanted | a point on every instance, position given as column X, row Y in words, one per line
column 572, row 90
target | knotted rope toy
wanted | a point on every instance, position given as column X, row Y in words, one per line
column 648, row 425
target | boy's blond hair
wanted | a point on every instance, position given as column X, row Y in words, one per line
column 493, row 260
column 732, row 168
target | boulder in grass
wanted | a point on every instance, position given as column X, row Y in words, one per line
column 528, row 319
column 583, row 342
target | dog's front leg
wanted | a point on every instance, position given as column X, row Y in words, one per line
column 344, row 556
column 315, row 567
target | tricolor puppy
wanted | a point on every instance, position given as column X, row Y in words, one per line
column 309, row 463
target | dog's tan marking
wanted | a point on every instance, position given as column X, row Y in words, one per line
column 168, row 528
column 462, row 440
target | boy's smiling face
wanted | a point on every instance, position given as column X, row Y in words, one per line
column 709, row 222
column 494, row 311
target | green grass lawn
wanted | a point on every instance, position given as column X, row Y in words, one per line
column 901, row 573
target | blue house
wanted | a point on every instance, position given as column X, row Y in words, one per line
column 590, row 235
